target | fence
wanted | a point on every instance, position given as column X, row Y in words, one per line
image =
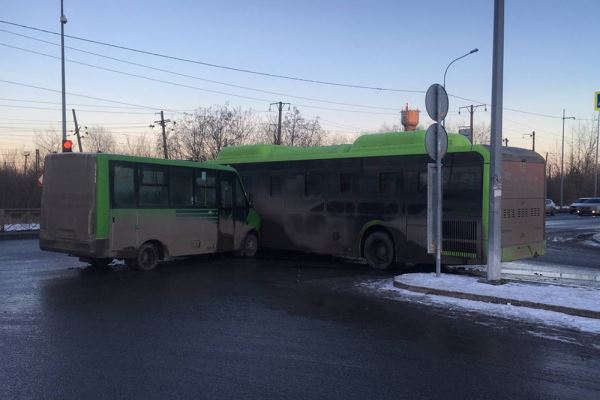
column 19, row 219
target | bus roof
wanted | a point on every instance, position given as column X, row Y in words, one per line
column 151, row 160
column 369, row 145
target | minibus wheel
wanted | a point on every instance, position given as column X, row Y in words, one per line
column 147, row 258
column 378, row 249
column 250, row 245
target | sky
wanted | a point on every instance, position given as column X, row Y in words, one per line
column 551, row 62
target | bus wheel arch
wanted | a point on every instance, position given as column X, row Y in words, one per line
column 148, row 255
column 377, row 246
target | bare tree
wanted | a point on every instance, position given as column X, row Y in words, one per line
column 299, row 131
column 99, row 139
column 139, row 146
column 204, row 133
column 481, row 133
column 49, row 141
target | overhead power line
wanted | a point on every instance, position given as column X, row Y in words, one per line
column 83, row 95
column 185, row 85
column 197, row 77
column 230, row 68
column 182, row 59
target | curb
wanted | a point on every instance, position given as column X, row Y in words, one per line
column 498, row 300
column 19, row 235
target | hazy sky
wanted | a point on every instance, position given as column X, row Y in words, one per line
column 551, row 61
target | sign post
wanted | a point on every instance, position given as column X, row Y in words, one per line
column 597, row 108
column 436, row 143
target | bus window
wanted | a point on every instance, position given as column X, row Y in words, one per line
column 226, row 194
column 247, row 179
column 312, row 185
column 205, row 189
column 153, row 187
column 390, row 183
column 410, row 182
column 275, row 186
column 240, row 197
column 346, row 183
column 181, row 187
column 123, row 189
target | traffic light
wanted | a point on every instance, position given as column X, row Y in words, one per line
column 67, row 146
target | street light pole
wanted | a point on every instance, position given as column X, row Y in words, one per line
column 562, row 159
column 455, row 60
column 452, row 62
column 495, row 178
column 63, row 21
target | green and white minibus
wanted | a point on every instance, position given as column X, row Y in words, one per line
column 100, row 207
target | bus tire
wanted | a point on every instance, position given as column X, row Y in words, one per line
column 378, row 250
column 147, row 258
column 250, row 245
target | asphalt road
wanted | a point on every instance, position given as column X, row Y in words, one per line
column 569, row 241
column 276, row 327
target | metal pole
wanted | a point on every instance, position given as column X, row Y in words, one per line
column 562, row 160
column 164, row 135
column 495, row 185
column 471, row 111
column 280, row 107
column 77, row 131
column 63, row 21
column 596, row 165
column 37, row 162
column 533, row 138
column 438, row 184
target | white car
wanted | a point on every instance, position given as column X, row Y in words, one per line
column 550, row 207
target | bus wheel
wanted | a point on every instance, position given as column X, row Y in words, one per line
column 250, row 245
column 378, row 249
column 147, row 258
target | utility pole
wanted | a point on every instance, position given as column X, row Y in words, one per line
column 495, row 185
column 532, row 136
column 63, row 21
column 77, row 130
column 277, row 138
column 471, row 109
column 562, row 159
column 505, row 140
column 162, row 122
column 26, row 155
column 37, row 162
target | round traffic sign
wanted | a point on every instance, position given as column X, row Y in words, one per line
column 436, row 102
column 430, row 141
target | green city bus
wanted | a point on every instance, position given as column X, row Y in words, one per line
column 369, row 199
column 100, row 207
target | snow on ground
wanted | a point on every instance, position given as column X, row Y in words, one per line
column 584, row 298
column 385, row 288
column 21, row 227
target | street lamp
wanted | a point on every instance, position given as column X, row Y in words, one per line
column 456, row 59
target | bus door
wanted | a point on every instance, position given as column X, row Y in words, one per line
column 226, row 214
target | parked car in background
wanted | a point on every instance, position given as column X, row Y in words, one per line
column 590, row 206
column 550, row 207
column 576, row 204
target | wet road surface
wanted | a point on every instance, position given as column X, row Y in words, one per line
column 568, row 241
column 227, row 328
